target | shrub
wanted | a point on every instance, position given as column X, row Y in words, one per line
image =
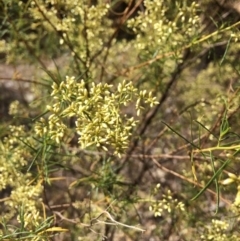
column 127, row 125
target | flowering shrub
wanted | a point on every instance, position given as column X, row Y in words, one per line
column 115, row 97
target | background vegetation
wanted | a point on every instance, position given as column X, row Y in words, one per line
column 119, row 120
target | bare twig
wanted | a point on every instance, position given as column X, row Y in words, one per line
column 114, row 222
column 96, row 220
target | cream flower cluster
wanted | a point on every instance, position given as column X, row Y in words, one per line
column 25, row 193
column 166, row 203
column 218, row 231
column 99, row 121
column 155, row 19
